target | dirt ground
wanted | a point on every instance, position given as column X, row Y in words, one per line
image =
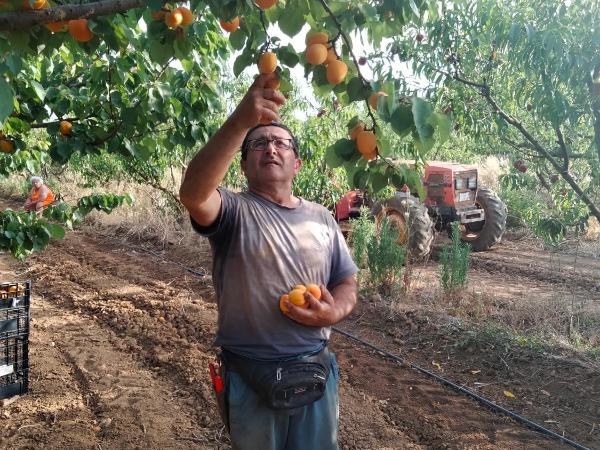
column 121, row 337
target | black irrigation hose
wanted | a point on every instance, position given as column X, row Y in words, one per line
column 484, row 401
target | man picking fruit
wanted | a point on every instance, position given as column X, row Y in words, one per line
column 280, row 380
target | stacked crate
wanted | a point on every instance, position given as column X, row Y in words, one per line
column 14, row 338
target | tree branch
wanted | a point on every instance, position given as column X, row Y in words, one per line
column 13, row 21
column 542, row 151
column 349, row 45
column 563, row 148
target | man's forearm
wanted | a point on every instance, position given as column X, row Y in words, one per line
column 345, row 297
column 208, row 168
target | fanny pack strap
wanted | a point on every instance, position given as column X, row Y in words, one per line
column 240, row 364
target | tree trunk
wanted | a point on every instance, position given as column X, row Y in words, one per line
column 20, row 20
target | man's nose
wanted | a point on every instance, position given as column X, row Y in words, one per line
column 271, row 147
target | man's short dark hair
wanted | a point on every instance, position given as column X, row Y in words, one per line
column 245, row 144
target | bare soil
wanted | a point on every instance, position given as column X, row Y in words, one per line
column 121, row 337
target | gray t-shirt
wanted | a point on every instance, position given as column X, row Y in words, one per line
column 260, row 251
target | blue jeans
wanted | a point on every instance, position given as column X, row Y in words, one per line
column 255, row 426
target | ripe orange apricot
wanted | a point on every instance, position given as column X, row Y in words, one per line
column 336, row 71
column 174, row 19
column 267, row 62
column 36, row 4
column 80, row 31
column 296, row 297
column 56, row 27
column 273, row 84
column 187, row 16
column 375, row 97
column 299, row 287
column 282, row 300
column 331, row 56
column 316, row 54
column 316, row 37
column 65, row 127
column 6, row 146
column 230, row 26
column 314, row 290
column 366, row 142
column 265, row 4
column 360, row 126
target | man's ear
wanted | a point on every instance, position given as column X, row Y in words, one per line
column 297, row 165
column 243, row 166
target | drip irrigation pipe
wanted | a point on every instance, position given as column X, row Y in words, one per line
column 484, row 401
column 461, row 389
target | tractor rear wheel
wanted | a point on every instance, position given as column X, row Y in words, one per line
column 411, row 219
column 484, row 235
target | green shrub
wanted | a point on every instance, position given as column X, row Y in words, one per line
column 385, row 258
column 363, row 230
column 454, row 262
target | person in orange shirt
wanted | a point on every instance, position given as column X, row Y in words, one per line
column 39, row 197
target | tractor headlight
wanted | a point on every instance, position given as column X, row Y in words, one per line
column 472, row 183
column 459, row 183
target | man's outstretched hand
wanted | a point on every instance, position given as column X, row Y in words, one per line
column 260, row 104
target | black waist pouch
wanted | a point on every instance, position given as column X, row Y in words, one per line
column 283, row 384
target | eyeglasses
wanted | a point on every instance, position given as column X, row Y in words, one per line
column 261, row 144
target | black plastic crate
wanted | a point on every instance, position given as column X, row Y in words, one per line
column 14, row 338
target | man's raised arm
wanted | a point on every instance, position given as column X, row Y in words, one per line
column 204, row 174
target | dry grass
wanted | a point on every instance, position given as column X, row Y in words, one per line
column 151, row 217
column 490, row 170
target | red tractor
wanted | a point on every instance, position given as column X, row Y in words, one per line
column 453, row 195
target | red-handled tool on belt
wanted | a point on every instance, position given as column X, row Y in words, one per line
column 216, row 378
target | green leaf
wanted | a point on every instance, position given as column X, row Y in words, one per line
column 39, row 90
column 332, row 159
column 345, row 148
column 422, row 110
column 160, row 53
column 237, row 39
column 356, row 90
column 441, row 123
column 54, row 230
column 402, row 119
column 241, row 62
column 287, row 55
column 14, row 63
column 6, row 100
column 292, row 21
column 378, row 181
